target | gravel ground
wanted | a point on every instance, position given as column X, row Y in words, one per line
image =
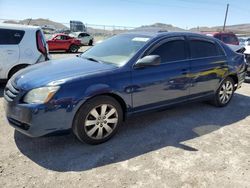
column 59, row 55
column 194, row 145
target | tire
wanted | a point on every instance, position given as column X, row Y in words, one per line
column 73, row 48
column 225, row 93
column 15, row 70
column 90, row 42
column 98, row 120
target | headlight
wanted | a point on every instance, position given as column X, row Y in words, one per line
column 40, row 95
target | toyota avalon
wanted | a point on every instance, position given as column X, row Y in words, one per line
column 92, row 94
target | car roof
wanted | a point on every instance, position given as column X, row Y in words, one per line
column 79, row 32
column 18, row 26
column 168, row 34
column 61, row 34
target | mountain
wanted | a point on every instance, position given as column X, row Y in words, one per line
column 239, row 28
column 158, row 27
column 39, row 22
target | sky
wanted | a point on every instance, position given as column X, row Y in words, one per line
column 181, row 13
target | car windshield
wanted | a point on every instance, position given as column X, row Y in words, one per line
column 117, row 50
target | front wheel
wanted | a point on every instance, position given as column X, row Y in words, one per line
column 98, row 120
column 90, row 43
column 225, row 93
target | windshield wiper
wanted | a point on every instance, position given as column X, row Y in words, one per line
column 92, row 59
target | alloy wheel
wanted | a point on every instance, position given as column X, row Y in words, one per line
column 226, row 92
column 101, row 121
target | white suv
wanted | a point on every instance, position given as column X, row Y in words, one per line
column 20, row 46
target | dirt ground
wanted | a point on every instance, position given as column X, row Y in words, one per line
column 193, row 145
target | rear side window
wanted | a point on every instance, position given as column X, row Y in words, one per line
column 200, row 48
column 171, row 51
column 10, row 37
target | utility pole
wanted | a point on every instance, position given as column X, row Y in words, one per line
column 225, row 21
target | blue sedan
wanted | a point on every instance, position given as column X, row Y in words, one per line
column 92, row 94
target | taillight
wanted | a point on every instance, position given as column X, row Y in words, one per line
column 39, row 42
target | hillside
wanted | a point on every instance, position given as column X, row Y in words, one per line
column 39, row 22
column 240, row 28
column 158, row 27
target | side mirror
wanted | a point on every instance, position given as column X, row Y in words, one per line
column 149, row 60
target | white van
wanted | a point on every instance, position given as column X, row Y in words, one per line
column 20, row 46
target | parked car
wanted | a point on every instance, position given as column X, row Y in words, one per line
column 64, row 42
column 85, row 38
column 242, row 41
column 247, row 56
column 124, row 75
column 226, row 37
column 247, row 43
column 20, row 46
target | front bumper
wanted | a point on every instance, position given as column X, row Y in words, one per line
column 37, row 120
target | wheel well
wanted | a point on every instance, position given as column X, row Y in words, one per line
column 235, row 78
column 17, row 67
column 118, row 99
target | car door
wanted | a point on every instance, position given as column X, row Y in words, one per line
column 208, row 65
column 60, row 42
column 53, row 43
column 9, row 48
column 67, row 42
column 159, row 85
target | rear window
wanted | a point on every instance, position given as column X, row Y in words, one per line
column 200, row 48
column 10, row 37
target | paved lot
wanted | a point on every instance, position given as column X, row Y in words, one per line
column 194, row 145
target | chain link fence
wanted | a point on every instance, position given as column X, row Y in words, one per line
column 51, row 27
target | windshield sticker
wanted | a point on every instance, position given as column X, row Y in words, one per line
column 140, row 39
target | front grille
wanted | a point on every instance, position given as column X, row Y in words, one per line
column 10, row 91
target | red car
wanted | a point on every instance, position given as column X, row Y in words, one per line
column 64, row 42
column 226, row 37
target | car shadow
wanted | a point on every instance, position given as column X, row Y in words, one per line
column 139, row 135
column 63, row 52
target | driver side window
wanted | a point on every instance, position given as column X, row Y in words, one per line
column 171, row 51
column 59, row 37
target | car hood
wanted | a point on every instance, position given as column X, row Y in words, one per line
column 58, row 71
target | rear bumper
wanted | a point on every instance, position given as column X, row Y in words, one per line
column 241, row 79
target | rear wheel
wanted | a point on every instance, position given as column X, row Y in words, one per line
column 225, row 93
column 73, row 48
column 98, row 120
column 90, row 42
